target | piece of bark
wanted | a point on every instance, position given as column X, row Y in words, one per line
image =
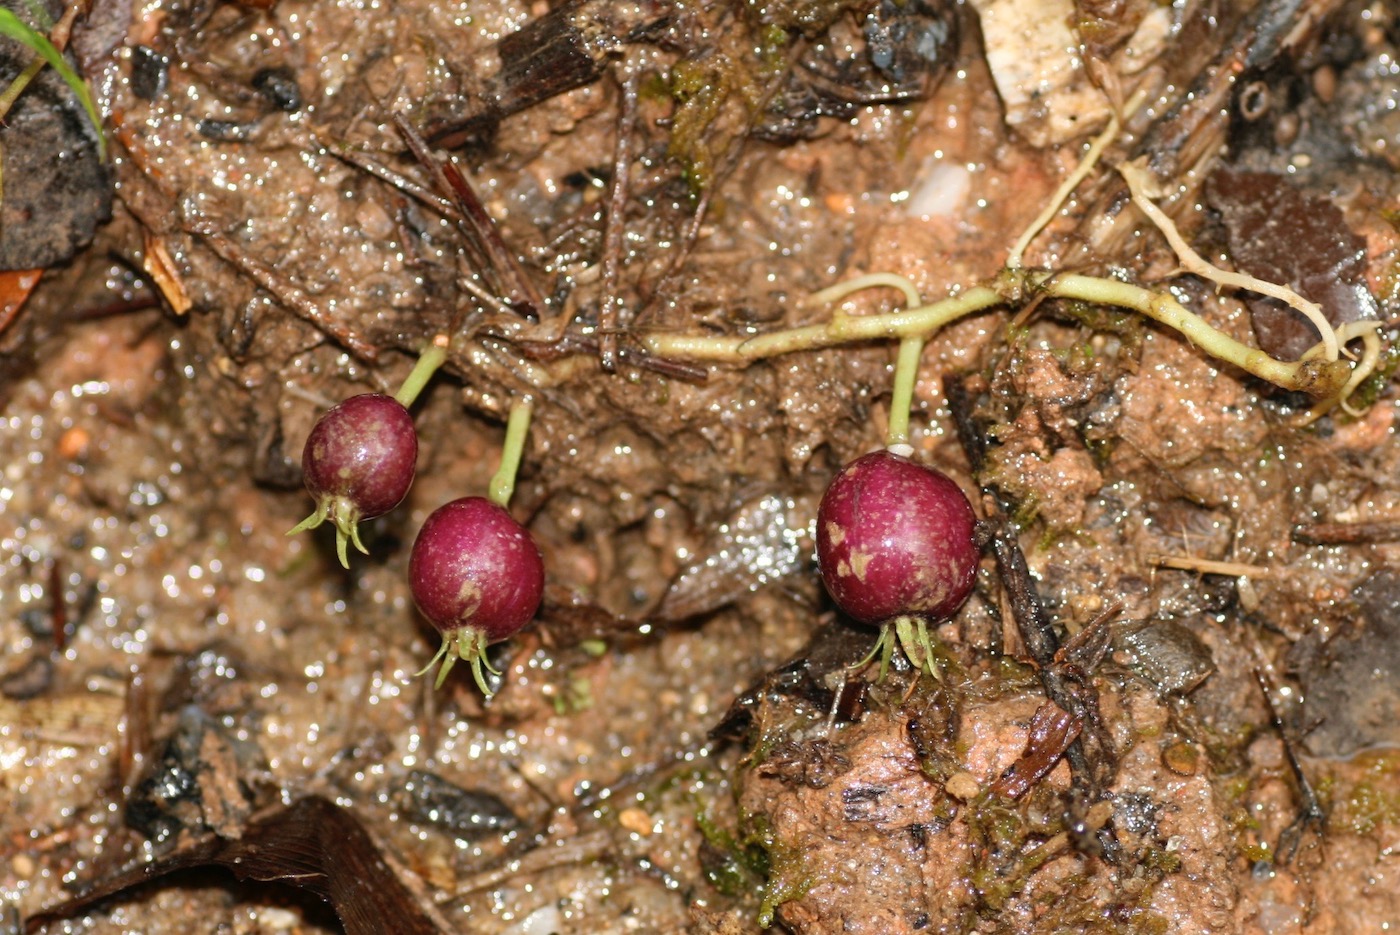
column 312, row 844
column 1278, row 232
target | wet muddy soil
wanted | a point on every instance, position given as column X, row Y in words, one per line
column 1168, row 706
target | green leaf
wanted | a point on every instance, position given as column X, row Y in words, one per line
column 13, row 27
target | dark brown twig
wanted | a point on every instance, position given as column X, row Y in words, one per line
column 961, row 405
column 400, row 181
column 566, row 48
column 58, row 604
column 1036, row 629
column 1092, row 760
column 1347, row 533
column 1086, row 649
column 689, row 239
column 610, row 303
column 484, row 240
column 286, row 294
column 1064, row 685
column 1310, row 811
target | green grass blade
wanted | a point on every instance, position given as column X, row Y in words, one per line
column 15, row 28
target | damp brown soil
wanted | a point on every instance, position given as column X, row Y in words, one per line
column 681, row 742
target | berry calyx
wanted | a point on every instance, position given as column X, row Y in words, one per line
column 478, row 577
column 358, row 463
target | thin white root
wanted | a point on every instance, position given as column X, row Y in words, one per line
column 1140, row 186
column 1368, row 331
column 1071, row 182
column 869, row 281
column 1320, row 379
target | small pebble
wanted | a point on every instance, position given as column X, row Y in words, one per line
column 1324, row 82
column 962, row 786
column 23, row 866
column 279, row 87
column 73, row 444
column 635, row 820
column 1181, row 758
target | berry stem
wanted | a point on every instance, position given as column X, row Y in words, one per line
column 433, row 357
column 1318, row 378
column 517, row 428
column 841, row 329
column 906, row 372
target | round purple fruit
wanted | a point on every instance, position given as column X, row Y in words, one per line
column 895, row 539
column 358, row 463
column 478, row 577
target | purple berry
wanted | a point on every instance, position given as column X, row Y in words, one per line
column 895, row 539
column 478, row 577
column 358, row 463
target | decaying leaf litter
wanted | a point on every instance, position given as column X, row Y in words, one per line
column 679, row 744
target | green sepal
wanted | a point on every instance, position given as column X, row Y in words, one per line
column 469, row 645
